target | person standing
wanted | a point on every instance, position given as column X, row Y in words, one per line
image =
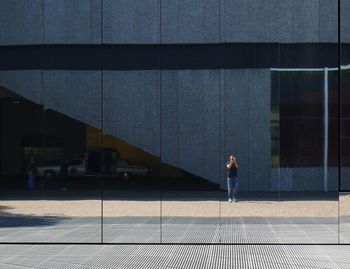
column 63, row 176
column 232, row 178
column 31, row 173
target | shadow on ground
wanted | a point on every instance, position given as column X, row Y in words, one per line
column 9, row 220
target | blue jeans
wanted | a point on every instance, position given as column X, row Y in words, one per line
column 232, row 187
column 31, row 181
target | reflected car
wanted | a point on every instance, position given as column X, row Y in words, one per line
column 49, row 171
column 77, row 168
column 126, row 170
column 123, row 169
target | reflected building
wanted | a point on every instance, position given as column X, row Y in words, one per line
column 196, row 103
column 175, row 87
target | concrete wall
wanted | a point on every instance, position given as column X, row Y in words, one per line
column 131, row 105
column 180, row 21
column 74, row 93
column 305, row 178
column 345, row 21
column 131, row 21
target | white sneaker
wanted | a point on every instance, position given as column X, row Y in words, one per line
column 230, row 200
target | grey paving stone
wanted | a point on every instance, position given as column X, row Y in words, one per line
column 190, row 256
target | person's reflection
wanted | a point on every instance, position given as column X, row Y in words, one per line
column 232, row 178
column 63, row 176
column 31, row 173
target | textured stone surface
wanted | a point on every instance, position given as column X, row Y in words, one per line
column 118, row 101
column 259, row 129
column 146, row 111
column 259, row 22
column 9, row 81
column 134, row 21
column 206, row 115
column 190, row 103
column 54, row 20
column 169, row 25
column 84, row 96
column 223, row 157
column 306, row 21
column 126, row 113
column 308, row 179
column 301, row 179
column 282, row 21
column 345, row 21
column 328, row 21
column 55, row 93
column 333, row 178
column 79, row 21
column 345, row 178
column 169, row 118
column 182, row 21
column 195, row 21
column 21, row 22
column 234, row 26
column 49, row 21
column 74, row 93
column 190, row 114
column 278, row 21
column 286, row 179
column 236, row 120
column 211, row 121
column 96, row 21
column 26, row 83
column 8, row 31
column 29, row 16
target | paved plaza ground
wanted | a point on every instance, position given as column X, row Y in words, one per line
column 180, row 217
column 174, row 256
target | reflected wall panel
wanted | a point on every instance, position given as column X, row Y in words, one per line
column 308, row 136
column 345, row 116
column 47, row 123
column 154, row 143
column 247, row 121
column 308, row 155
column 21, row 203
column 191, row 137
column 195, row 21
column 344, row 220
column 345, row 96
column 72, row 123
column 131, row 117
column 134, row 21
column 344, row 217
